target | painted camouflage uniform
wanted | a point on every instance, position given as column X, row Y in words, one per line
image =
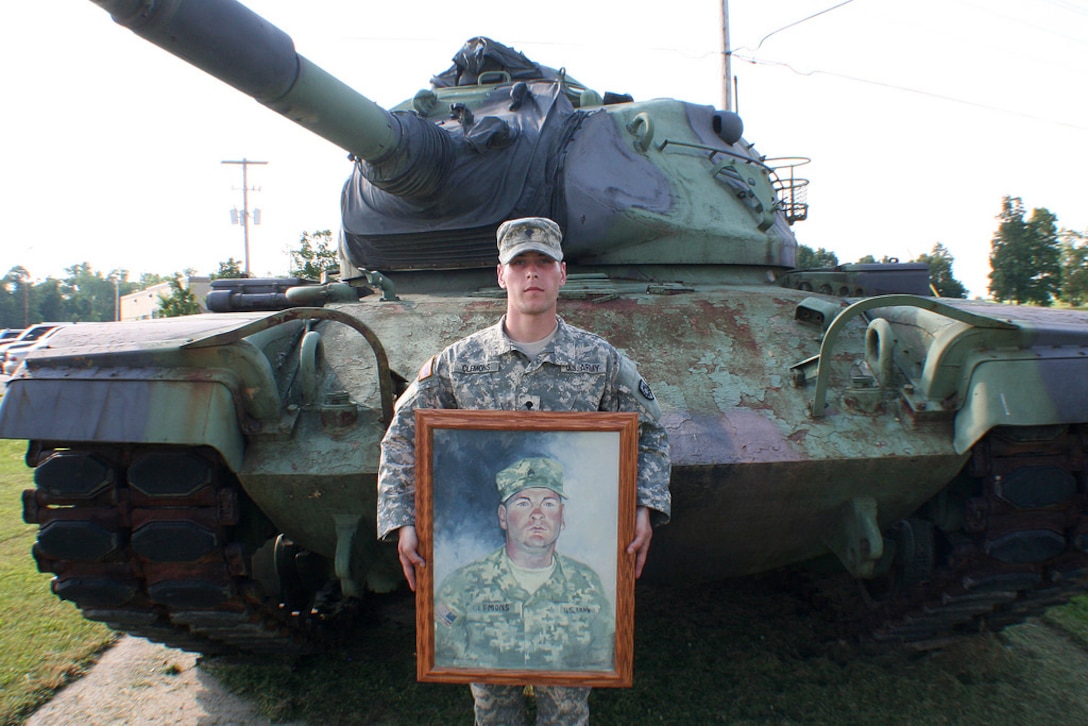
column 578, row 371
column 485, row 619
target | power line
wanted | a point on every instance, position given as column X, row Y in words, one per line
column 802, row 20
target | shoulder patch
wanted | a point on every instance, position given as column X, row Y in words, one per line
column 427, row 370
column 630, row 379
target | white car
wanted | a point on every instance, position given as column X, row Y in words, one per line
column 15, row 352
column 28, row 335
column 8, row 335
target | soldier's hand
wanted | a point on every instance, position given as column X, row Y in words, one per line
column 640, row 545
column 408, row 551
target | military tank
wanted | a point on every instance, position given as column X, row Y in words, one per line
column 209, row 481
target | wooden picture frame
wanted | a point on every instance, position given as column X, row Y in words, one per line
column 469, row 618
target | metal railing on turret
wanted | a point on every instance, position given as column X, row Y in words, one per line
column 792, row 191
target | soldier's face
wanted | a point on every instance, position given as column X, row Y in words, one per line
column 532, row 281
column 532, row 518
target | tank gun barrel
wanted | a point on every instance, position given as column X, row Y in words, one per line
column 240, row 48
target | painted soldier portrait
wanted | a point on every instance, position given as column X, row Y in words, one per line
column 526, row 605
column 524, row 522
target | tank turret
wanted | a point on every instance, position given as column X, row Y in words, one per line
column 498, row 136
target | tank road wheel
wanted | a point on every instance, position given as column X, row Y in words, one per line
column 909, row 547
column 159, row 542
column 1010, row 539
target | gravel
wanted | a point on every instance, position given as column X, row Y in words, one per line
column 139, row 682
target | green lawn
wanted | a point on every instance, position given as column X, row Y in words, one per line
column 43, row 641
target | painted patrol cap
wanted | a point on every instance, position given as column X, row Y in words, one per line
column 529, row 233
column 528, row 474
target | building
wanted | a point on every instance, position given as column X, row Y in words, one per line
column 144, row 304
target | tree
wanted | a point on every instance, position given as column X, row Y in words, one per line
column 1074, row 267
column 148, row 279
column 49, row 301
column 92, row 296
column 15, row 298
column 316, row 253
column 1024, row 256
column 940, row 272
column 181, row 301
column 84, row 295
column 232, row 268
column 808, row 258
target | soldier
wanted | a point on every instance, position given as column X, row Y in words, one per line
column 530, row 360
column 525, row 605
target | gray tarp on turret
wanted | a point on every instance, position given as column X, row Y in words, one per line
column 497, row 170
column 436, row 202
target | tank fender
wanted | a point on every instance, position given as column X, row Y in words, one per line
column 1043, row 387
column 71, row 409
column 827, row 346
column 149, row 382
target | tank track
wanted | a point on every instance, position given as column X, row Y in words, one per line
column 1005, row 542
column 162, row 543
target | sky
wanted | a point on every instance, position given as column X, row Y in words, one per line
column 919, row 116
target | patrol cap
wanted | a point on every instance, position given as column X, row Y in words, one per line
column 529, row 233
column 528, row 474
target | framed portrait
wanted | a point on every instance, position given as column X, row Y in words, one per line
column 524, row 519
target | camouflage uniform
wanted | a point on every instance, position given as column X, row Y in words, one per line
column 578, row 371
column 485, row 619
column 505, row 705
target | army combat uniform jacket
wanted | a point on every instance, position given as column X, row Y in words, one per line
column 578, row 371
column 485, row 619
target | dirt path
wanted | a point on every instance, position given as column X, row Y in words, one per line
column 138, row 682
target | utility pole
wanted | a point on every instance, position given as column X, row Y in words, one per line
column 23, row 279
column 727, row 61
column 244, row 162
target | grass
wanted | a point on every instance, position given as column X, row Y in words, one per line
column 1073, row 619
column 44, row 642
column 739, row 652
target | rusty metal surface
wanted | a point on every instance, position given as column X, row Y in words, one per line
column 756, row 478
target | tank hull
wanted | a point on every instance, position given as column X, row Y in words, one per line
column 757, row 481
